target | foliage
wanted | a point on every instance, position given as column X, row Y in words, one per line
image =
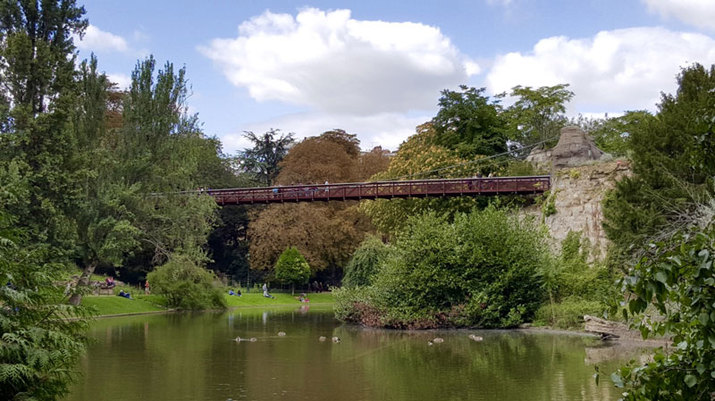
column 292, row 268
column 482, row 270
column 548, row 208
column 365, row 262
column 186, row 285
column 264, row 158
column 575, row 286
column 537, row 115
column 40, row 344
column 677, row 279
column 326, row 234
column 418, row 158
column 672, row 167
column 332, row 156
column 612, row 134
column 469, row 123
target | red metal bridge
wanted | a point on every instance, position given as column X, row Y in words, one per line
column 383, row 189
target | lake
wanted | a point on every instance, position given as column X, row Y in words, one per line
column 196, row 357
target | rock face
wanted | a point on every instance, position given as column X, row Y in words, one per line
column 575, row 148
column 576, row 195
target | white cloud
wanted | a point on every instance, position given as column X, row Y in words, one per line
column 383, row 129
column 616, row 70
column 333, row 63
column 98, row 40
column 123, row 81
column 699, row 13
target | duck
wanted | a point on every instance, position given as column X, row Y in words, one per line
column 322, row 338
column 438, row 340
column 281, row 334
column 430, row 343
column 253, row 339
column 336, row 339
column 475, row 338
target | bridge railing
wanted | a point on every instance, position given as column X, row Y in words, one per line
column 382, row 189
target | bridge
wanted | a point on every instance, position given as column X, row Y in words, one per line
column 383, row 190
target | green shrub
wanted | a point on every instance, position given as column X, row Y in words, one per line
column 186, row 285
column 365, row 262
column 482, row 270
column 568, row 314
column 292, row 268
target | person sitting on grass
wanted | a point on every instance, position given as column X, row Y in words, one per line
column 265, row 291
column 124, row 294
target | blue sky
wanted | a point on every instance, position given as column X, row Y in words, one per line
column 375, row 68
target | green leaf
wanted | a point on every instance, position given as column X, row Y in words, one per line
column 690, row 380
column 662, row 277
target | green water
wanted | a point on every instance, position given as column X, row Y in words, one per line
column 195, row 357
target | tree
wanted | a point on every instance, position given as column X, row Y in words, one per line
column 186, row 285
column 482, row 270
column 469, row 123
column 105, row 231
column 37, row 66
column 673, row 167
column 537, row 114
column 365, row 262
column 419, row 158
column 42, row 339
column 676, row 279
column 264, row 157
column 292, row 268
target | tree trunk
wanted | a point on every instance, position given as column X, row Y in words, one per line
column 83, row 281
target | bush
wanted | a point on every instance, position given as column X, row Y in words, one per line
column 365, row 262
column 186, row 285
column 568, row 313
column 292, row 268
column 482, row 270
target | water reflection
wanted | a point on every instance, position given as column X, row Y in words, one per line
column 196, row 357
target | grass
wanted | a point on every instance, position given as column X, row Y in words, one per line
column 257, row 299
column 106, row 305
column 114, row 305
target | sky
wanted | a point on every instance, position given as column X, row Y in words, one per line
column 376, row 68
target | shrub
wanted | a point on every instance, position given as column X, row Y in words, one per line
column 365, row 262
column 482, row 270
column 186, row 285
column 568, row 313
column 292, row 268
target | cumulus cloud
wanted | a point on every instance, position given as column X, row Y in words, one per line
column 331, row 62
column 699, row 13
column 98, row 40
column 383, row 129
column 616, row 70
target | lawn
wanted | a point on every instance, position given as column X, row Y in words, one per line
column 113, row 305
column 257, row 299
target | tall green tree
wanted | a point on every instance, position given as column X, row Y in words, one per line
column 537, row 114
column 264, row 158
column 161, row 149
column 37, row 66
column 470, row 123
column 105, row 231
column 672, row 163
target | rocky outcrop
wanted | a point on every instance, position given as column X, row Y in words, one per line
column 575, row 148
column 575, row 203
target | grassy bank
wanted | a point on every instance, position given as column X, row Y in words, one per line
column 113, row 305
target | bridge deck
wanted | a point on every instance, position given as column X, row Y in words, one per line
column 383, row 189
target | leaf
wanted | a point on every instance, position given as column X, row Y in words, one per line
column 662, row 277
column 690, row 380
